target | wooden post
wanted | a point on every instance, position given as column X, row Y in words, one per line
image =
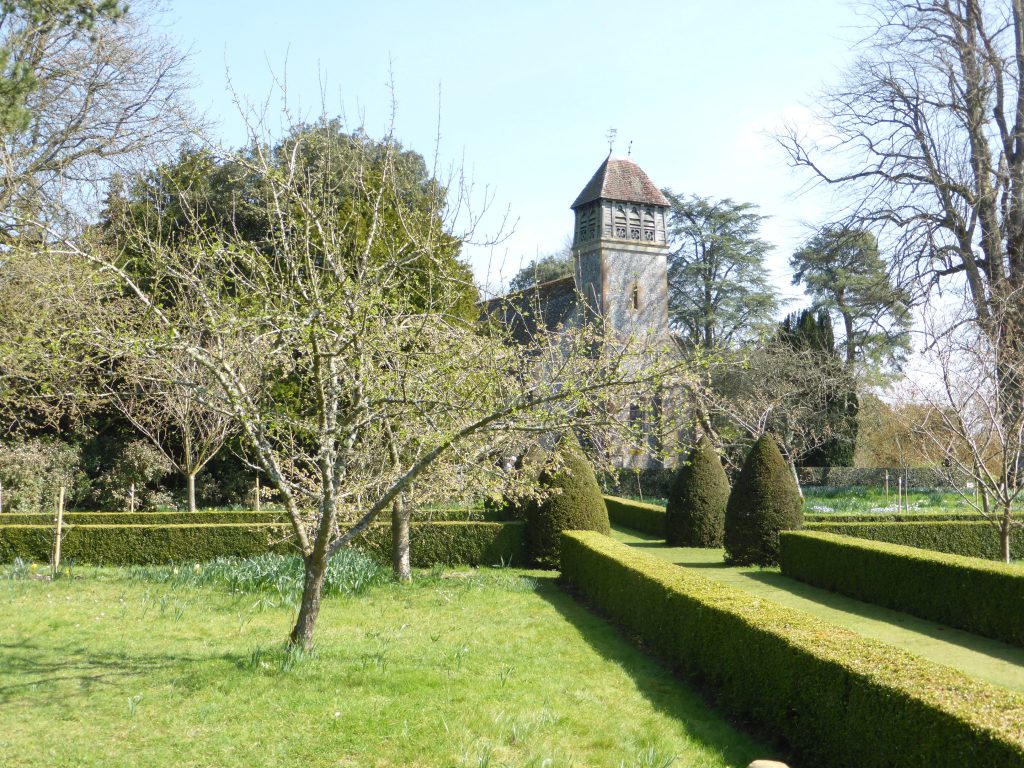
column 887, row 487
column 899, row 493
column 257, row 493
column 1, row 498
column 55, row 560
column 131, row 498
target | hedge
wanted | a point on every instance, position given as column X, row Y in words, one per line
column 891, row 517
column 146, row 518
column 445, row 543
column 965, row 592
column 831, row 697
column 971, row 539
column 646, row 518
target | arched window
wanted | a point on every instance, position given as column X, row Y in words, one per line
column 634, row 223
column 620, row 221
column 634, row 297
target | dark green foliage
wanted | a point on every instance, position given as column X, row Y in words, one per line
column 764, row 501
column 832, row 697
column 695, row 513
column 543, row 269
column 448, row 543
column 454, row 543
column 147, row 518
column 839, row 518
column 967, row 538
column 838, row 405
column 646, row 518
column 575, row 503
column 965, row 592
column 142, row 544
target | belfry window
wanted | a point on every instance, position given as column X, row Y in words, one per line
column 620, row 221
column 634, row 223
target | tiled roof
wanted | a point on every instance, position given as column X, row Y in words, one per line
column 619, row 178
column 548, row 306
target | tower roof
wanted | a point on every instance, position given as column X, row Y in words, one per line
column 619, row 178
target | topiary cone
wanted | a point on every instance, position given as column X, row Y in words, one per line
column 575, row 504
column 695, row 514
column 764, row 501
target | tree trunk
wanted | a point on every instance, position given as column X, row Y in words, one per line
column 1004, row 534
column 191, row 477
column 400, row 557
column 315, row 569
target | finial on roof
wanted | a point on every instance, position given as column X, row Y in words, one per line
column 629, row 151
column 612, row 133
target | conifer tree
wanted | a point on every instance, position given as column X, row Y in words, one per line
column 695, row 515
column 764, row 501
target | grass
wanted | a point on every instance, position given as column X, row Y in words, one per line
column 985, row 659
column 462, row 668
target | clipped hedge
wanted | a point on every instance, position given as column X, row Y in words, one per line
column 147, row 518
column 646, row 518
column 970, row 539
column 445, row 543
column 454, row 543
column 832, row 697
column 891, row 517
column 965, row 592
column 141, row 544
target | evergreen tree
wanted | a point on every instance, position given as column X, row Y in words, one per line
column 844, row 273
column 764, row 501
column 718, row 290
column 574, row 503
column 837, row 405
column 695, row 514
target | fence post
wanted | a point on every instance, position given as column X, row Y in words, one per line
column 887, row 487
column 55, row 560
column 257, row 493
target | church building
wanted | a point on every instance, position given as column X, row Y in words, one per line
column 620, row 264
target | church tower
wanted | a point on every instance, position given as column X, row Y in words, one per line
column 620, row 248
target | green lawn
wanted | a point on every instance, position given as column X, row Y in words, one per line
column 488, row 668
column 986, row 659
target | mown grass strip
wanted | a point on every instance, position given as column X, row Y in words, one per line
column 833, row 697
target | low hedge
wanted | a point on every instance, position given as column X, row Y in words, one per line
column 445, row 543
column 828, row 695
column 965, row 592
column 891, row 517
column 955, row 537
column 646, row 518
column 147, row 518
column 454, row 543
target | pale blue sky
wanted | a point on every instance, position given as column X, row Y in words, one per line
column 528, row 91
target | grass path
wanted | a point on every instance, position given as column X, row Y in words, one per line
column 980, row 657
column 487, row 668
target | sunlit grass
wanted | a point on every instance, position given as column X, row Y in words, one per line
column 463, row 668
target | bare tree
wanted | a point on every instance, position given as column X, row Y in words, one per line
column 369, row 381
column 971, row 434
column 104, row 98
column 170, row 406
column 768, row 388
column 926, row 137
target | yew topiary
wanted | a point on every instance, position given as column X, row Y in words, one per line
column 764, row 501
column 573, row 503
column 695, row 513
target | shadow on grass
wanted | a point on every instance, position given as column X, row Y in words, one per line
column 655, row 682
column 930, row 629
column 35, row 667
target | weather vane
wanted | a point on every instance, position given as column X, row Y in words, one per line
column 612, row 133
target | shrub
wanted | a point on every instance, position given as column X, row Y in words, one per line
column 970, row 539
column 138, row 465
column 695, row 513
column 32, row 471
column 646, row 518
column 432, row 543
column 573, row 503
column 148, row 518
column 833, row 697
column 963, row 592
column 764, row 501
